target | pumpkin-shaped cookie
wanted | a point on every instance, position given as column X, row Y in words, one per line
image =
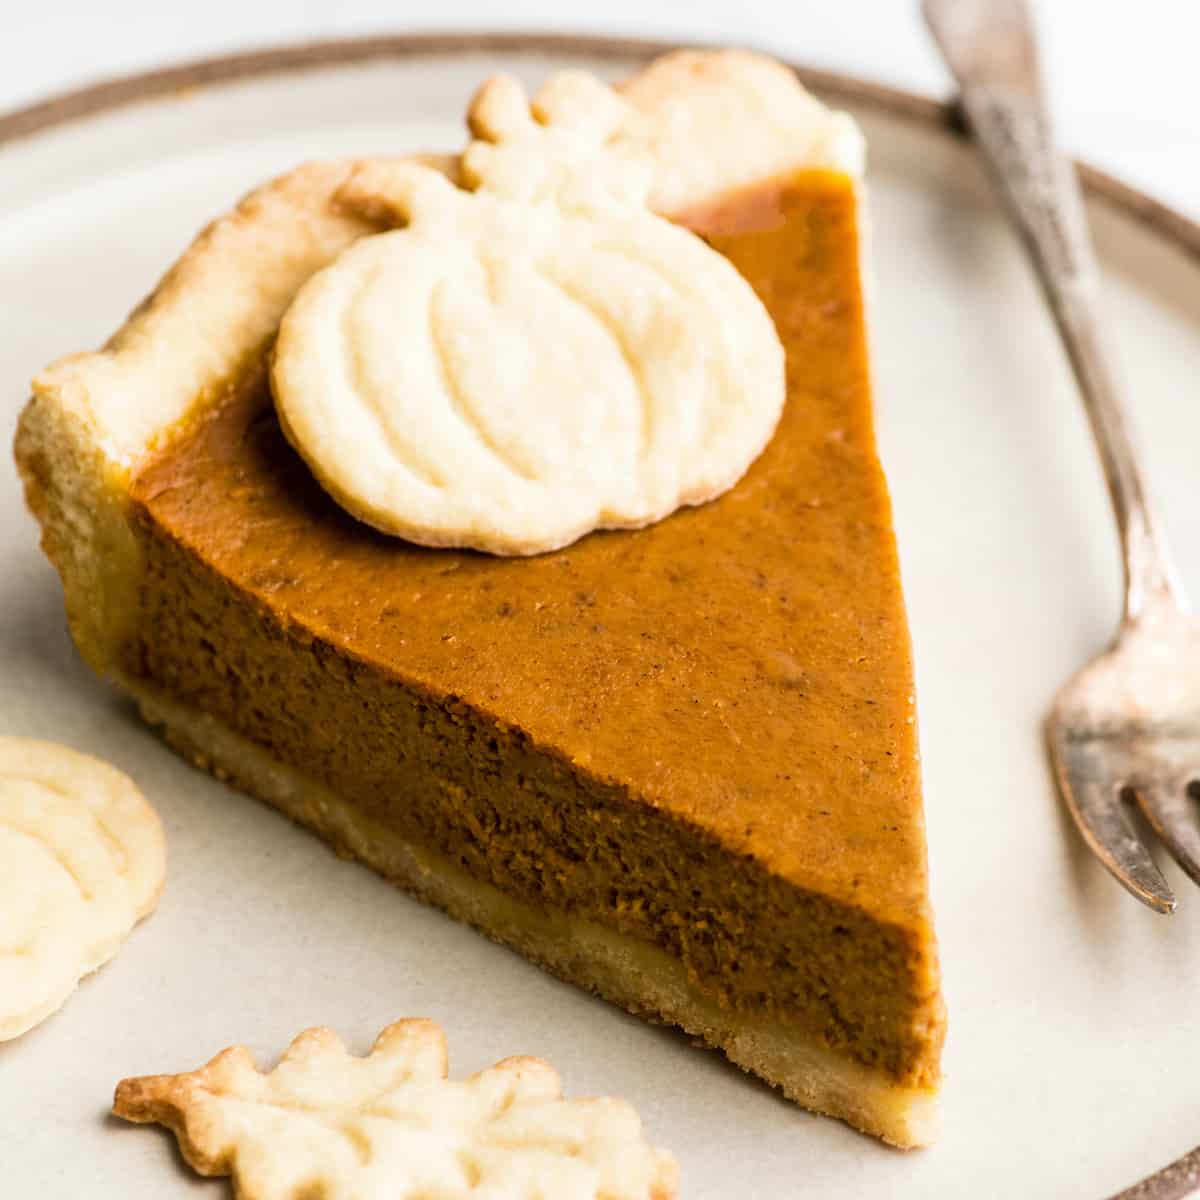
column 532, row 356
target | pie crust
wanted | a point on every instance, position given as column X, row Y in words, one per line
column 714, row 122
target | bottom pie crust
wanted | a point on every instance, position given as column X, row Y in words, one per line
column 622, row 969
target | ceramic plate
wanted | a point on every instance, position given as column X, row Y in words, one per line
column 1073, row 1063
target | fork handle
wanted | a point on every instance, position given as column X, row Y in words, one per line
column 989, row 47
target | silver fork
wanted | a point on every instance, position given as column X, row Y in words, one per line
column 1126, row 729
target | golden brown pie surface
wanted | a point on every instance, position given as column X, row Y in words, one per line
column 700, row 733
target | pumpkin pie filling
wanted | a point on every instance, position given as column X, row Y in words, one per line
column 698, row 735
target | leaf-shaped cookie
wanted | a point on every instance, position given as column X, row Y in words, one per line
column 391, row 1126
column 533, row 356
column 82, row 860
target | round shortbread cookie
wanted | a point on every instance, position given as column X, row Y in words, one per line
column 82, row 860
column 535, row 357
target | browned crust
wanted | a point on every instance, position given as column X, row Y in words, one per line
column 167, row 1099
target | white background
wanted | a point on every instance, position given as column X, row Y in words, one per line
column 1124, row 73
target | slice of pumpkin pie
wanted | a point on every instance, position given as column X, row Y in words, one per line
column 674, row 762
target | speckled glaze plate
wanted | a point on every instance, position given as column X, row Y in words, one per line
column 1073, row 1064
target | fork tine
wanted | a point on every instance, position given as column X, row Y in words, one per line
column 1101, row 817
column 1172, row 815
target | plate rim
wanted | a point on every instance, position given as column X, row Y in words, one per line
column 63, row 108
column 120, row 91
